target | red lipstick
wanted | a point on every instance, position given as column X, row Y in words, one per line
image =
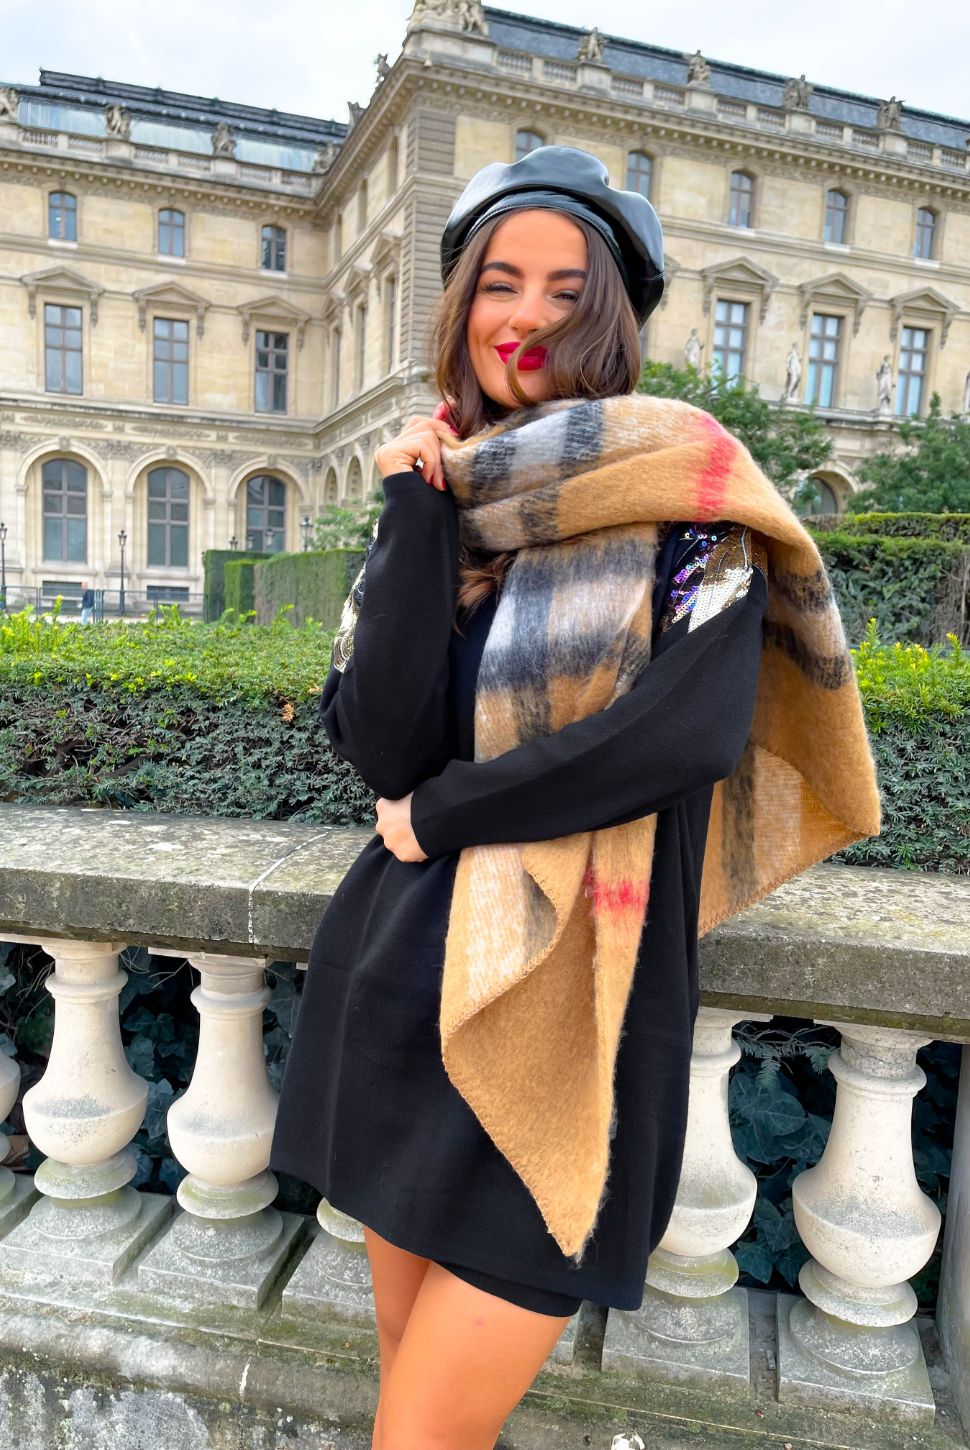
column 535, row 357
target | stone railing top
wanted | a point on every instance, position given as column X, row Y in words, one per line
column 840, row 942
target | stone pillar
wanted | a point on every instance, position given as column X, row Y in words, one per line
column 953, row 1304
column 228, row 1245
column 90, row 1223
column 693, row 1324
column 869, row 1228
column 335, row 1271
column 17, row 1190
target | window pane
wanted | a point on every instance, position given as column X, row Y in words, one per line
column 52, row 539
column 77, row 540
column 180, row 547
column 277, row 493
column 156, row 545
column 180, row 383
column 53, row 371
column 160, row 372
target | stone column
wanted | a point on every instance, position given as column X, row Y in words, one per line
column 869, row 1228
column 693, row 1324
column 335, row 1270
column 953, row 1304
column 90, row 1223
column 228, row 1245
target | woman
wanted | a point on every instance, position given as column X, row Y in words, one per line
column 563, row 652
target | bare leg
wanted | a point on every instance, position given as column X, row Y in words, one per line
column 397, row 1277
column 465, row 1360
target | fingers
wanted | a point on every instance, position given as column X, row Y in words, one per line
column 418, row 445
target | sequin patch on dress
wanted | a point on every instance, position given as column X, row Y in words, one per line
column 343, row 640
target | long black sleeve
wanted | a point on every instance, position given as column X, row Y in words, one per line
column 681, row 727
column 386, row 711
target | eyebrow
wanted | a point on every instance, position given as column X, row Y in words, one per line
column 550, row 276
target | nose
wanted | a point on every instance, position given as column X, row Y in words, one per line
column 529, row 313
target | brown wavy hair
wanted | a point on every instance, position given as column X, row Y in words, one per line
column 592, row 352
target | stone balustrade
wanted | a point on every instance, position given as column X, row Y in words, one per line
column 100, row 1281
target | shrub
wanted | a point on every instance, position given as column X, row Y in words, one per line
column 916, row 588
column 214, row 563
column 239, row 585
column 315, row 584
column 899, row 526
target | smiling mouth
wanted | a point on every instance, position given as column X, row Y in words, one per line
column 534, row 358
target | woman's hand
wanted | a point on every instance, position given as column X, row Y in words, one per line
column 394, row 826
column 418, row 440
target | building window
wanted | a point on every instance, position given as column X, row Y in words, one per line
column 823, row 359
column 330, row 487
column 823, row 501
column 273, row 253
column 338, row 238
column 360, row 330
column 639, row 172
column 526, row 141
column 925, row 232
column 170, row 365
column 393, row 163
column 913, row 351
column 62, row 348
column 335, row 367
column 362, row 207
column 265, row 514
column 62, row 216
column 742, row 197
column 390, row 321
column 730, row 340
column 168, row 519
column 271, row 360
column 171, row 233
column 836, row 211
column 65, row 508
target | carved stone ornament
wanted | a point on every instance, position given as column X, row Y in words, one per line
column 170, row 295
column 383, row 69
column 62, row 284
column 834, row 289
column 356, row 111
column 884, row 385
column 692, row 350
column 698, row 70
column 223, row 140
column 796, row 94
column 591, row 47
column 888, row 115
column 325, row 157
column 276, row 313
column 924, row 304
column 793, row 373
column 9, row 103
column 464, row 15
column 118, row 122
column 739, row 276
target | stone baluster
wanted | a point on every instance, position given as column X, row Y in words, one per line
column 953, row 1302
column 693, row 1323
column 89, row 1223
column 228, row 1245
column 869, row 1228
column 334, row 1271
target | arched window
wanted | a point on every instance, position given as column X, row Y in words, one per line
column 639, row 172
column 925, row 233
column 171, row 232
column 266, row 514
column 330, row 487
column 355, row 482
column 273, row 249
column 742, row 199
column 62, row 216
column 526, row 141
column 168, row 519
column 824, row 501
column 836, row 212
column 64, row 485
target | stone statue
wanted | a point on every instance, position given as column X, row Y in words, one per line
column 966, row 394
column 383, row 69
column 884, row 383
column 325, row 157
column 698, row 70
column 468, row 13
column 591, row 46
column 888, row 115
column 223, row 140
column 356, row 112
column 692, row 350
column 9, row 101
column 471, row 16
column 793, row 373
column 118, row 122
column 796, row 94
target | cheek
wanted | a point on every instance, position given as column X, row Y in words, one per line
column 482, row 323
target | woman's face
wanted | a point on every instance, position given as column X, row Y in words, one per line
column 532, row 274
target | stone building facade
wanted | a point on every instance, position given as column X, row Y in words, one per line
column 211, row 315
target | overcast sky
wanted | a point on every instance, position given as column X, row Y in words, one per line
column 313, row 56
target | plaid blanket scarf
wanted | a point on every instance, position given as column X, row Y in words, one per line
column 537, row 970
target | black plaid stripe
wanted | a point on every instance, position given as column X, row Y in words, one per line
column 828, row 672
column 737, row 828
column 811, row 593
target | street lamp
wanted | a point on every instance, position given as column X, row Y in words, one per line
column 306, row 527
column 122, row 540
column 234, row 542
column 250, row 537
column 3, row 568
column 268, row 541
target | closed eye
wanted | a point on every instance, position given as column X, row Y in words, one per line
column 504, row 287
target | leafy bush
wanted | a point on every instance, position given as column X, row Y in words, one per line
column 214, row 563
column 931, row 472
column 897, row 526
column 239, row 583
column 917, row 589
column 336, row 527
column 315, row 584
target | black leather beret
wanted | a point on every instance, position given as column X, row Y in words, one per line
column 567, row 179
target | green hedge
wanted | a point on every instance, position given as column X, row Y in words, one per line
column 221, row 720
column 214, row 563
column 240, row 584
column 917, row 589
column 315, row 583
column 898, row 526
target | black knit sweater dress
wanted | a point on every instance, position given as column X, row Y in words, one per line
column 367, row 1113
